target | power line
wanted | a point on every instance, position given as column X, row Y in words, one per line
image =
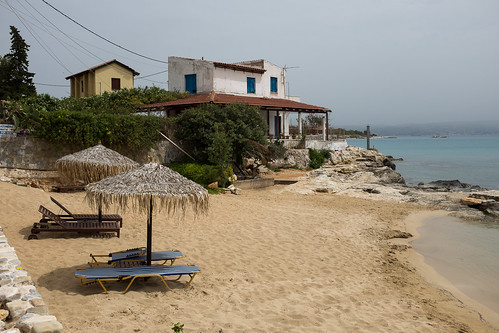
column 107, row 40
column 33, row 34
column 51, row 85
column 143, row 77
column 63, row 34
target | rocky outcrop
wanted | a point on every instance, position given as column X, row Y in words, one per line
column 449, row 186
column 293, row 158
column 369, row 165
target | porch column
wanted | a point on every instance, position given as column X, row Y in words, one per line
column 299, row 124
column 278, row 126
column 324, row 128
column 268, row 122
column 327, row 124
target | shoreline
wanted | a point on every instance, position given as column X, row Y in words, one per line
column 429, row 273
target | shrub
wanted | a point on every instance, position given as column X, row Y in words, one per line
column 317, row 157
column 203, row 174
column 241, row 123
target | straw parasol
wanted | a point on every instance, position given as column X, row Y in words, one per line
column 151, row 188
column 93, row 164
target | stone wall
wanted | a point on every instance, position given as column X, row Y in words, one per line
column 29, row 153
column 22, row 307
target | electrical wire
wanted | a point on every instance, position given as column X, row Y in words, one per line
column 143, row 77
column 103, row 38
column 62, row 32
column 51, row 85
column 53, row 56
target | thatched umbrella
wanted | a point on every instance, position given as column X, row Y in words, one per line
column 151, row 188
column 93, row 164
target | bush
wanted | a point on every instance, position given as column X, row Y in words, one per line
column 203, row 174
column 87, row 129
column 317, row 157
column 241, row 123
column 109, row 118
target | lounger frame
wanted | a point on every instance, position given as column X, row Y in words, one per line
column 57, row 224
column 133, row 277
column 137, row 257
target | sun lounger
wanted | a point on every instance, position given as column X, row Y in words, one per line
column 85, row 217
column 133, row 257
column 55, row 223
column 101, row 275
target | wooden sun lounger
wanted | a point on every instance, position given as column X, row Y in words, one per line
column 55, row 223
column 101, row 275
column 133, row 257
column 84, row 217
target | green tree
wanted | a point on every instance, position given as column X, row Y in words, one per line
column 16, row 80
column 220, row 151
column 241, row 122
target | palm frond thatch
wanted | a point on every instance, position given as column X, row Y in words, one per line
column 167, row 190
column 93, row 164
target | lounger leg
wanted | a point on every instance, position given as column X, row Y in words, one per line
column 192, row 278
column 102, row 285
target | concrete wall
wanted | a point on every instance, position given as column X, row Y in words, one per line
column 229, row 81
column 178, row 68
column 271, row 70
column 225, row 80
column 30, row 153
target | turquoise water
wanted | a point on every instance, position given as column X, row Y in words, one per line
column 470, row 159
column 466, row 254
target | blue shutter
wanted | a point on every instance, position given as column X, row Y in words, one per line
column 273, row 84
column 251, row 85
column 190, row 83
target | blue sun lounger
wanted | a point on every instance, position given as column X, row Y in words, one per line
column 133, row 257
column 100, row 275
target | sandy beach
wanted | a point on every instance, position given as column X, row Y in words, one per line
column 272, row 260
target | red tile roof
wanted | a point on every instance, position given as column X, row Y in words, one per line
column 269, row 103
column 92, row 69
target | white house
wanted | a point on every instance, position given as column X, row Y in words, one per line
column 256, row 82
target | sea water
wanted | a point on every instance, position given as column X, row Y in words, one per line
column 470, row 159
column 464, row 253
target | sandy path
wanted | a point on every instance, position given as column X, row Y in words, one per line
column 271, row 261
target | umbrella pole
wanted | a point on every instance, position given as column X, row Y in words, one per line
column 100, row 213
column 149, row 233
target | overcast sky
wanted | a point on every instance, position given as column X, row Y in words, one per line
column 372, row 62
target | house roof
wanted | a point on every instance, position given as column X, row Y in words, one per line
column 239, row 67
column 253, row 68
column 93, row 69
column 265, row 103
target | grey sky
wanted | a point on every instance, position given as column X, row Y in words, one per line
column 370, row 61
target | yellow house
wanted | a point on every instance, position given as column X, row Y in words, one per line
column 109, row 76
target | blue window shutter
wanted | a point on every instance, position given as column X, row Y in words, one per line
column 273, row 84
column 190, row 83
column 251, row 85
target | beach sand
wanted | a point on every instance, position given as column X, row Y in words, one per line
column 272, row 260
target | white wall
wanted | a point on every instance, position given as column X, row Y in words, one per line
column 178, row 68
column 229, row 81
column 225, row 80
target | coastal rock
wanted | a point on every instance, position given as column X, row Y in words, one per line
column 449, row 186
column 293, row 158
column 387, row 175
